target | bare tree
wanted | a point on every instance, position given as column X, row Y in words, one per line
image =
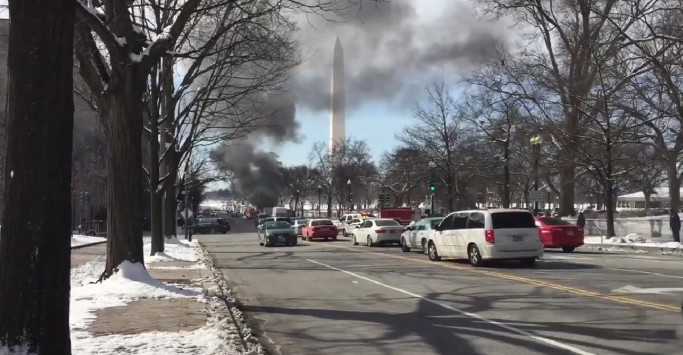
column 348, row 161
column 555, row 79
column 438, row 132
column 35, row 247
column 403, row 171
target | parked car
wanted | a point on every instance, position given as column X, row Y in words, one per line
column 262, row 222
column 298, row 225
column 210, row 226
column 319, row 228
column 480, row 235
column 377, row 231
column 558, row 233
column 417, row 235
column 277, row 232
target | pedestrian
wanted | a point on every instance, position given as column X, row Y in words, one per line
column 675, row 224
column 581, row 220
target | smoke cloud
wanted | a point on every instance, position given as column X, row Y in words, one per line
column 257, row 175
column 391, row 52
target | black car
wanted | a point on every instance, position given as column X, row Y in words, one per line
column 277, row 232
column 210, row 226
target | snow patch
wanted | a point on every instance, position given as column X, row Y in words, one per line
column 174, row 250
column 78, row 240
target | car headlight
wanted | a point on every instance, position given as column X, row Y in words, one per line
column 269, row 235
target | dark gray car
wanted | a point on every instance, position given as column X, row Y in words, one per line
column 277, row 232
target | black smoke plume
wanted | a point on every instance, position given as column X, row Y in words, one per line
column 257, row 175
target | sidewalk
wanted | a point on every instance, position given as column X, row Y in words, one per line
column 172, row 309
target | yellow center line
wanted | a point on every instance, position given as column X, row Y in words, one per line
column 527, row 280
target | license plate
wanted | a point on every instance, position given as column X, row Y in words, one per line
column 570, row 232
column 392, row 232
column 517, row 238
column 281, row 238
column 324, row 229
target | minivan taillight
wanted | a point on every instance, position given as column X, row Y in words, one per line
column 490, row 236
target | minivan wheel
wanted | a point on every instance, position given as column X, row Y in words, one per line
column 474, row 255
column 431, row 251
column 568, row 249
column 528, row 262
column 404, row 246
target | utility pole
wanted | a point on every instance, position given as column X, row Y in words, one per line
column 350, row 194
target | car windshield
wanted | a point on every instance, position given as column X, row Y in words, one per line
column 512, row 220
column 277, row 225
column 552, row 221
column 386, row 223
column 435, row 222
column 322, row 222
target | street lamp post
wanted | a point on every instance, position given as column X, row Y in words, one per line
column 296, row 202
column 432, row 187
column 348, row 184
column 536, row 142
column 320, row 193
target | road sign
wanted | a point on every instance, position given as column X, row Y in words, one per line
column 536, row 196
column 652, row 290
column 186, row 213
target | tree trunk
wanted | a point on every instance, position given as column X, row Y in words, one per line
column 674, row 185
column 329, row 205
column 35, row 245
column 122, row 117
column 506, row 177
column 171, row 202
column 567, row 172
column 449, row 190
column 647, row 195
column 155, row 195
column 168, row 168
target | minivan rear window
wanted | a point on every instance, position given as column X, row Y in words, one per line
column 512, row 220
column 551, row 221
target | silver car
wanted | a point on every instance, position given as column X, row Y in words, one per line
column 298, row 225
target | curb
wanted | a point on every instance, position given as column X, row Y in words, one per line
column 217, row 287
column 625, row 248
column 87, row 245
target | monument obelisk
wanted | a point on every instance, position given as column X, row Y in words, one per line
column 338, row 101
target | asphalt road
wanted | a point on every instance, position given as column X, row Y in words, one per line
column 334, row 298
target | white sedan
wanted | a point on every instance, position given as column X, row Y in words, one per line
column 417, row 235
column 377, row 231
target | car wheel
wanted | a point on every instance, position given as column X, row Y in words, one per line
column 474, row 255
column 404, row 246
column 334, row 238
column 368, row 241
column 353, row 240
column 431, row 251
column 568, row 249
column 528, row 262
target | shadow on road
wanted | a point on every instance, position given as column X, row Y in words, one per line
column 446, row 332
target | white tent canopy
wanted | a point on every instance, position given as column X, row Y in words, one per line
column 661, row 194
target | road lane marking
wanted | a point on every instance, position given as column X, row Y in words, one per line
column 645, row 272
column 530, row 281
column 540, row 339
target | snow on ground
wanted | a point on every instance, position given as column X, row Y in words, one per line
column 633, row 239
column 174, row 250
column 133, row 282
column 78, row 240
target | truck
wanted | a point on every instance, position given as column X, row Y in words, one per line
column 403, row 215
column 277, row 211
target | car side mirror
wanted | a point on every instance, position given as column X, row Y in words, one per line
column 437, row 227
column 358, row 226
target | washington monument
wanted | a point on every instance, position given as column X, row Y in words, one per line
column 338, row 102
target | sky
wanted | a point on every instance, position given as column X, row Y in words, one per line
column 392, row 53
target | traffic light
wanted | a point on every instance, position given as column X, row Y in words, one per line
column 432, row 188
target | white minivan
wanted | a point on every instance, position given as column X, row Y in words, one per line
column 480, row 235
